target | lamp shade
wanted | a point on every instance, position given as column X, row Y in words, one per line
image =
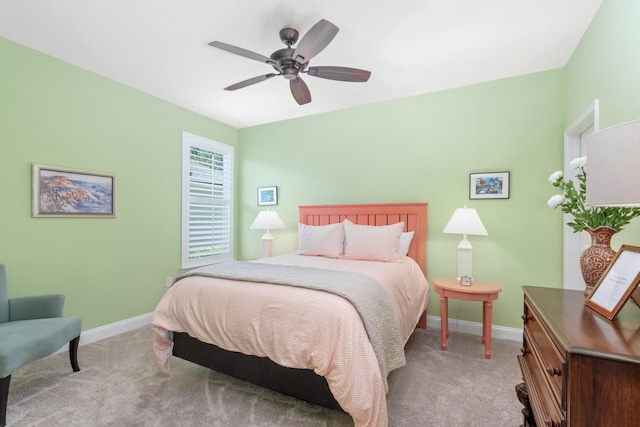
column 465, row 221
column 267, row 220
column 613, row 171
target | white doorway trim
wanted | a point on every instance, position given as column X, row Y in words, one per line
column 572, row 242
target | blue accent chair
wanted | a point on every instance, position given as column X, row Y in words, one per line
column 30, row 329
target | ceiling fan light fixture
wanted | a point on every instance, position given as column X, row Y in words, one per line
column 290, row 74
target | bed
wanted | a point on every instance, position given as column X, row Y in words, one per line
column 338, row 366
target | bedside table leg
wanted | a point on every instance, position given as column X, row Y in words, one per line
column 484, row 322
column 486, row 327
column 444, row 320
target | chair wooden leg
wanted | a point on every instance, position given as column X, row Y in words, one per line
column 4, row 395
column 4, row 382
column 73, row 353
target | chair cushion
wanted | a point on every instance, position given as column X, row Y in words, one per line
column 25, row 341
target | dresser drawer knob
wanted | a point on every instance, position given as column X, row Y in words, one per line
column 525, row 351
column 553, row 371
column 526, row 318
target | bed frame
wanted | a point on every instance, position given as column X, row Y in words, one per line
column 304, row 383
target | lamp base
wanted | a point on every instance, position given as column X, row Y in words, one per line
column 267, row 245
column 464, row 258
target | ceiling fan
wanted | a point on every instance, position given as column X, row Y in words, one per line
column 290, row 62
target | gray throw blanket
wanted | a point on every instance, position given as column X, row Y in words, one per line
column 365, row 293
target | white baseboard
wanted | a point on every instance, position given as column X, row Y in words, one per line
column 475, row 328
column 112, row 329
column 107, row 331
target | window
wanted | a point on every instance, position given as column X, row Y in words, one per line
column 207, row 201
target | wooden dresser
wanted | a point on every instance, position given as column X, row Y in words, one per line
column 579, row 369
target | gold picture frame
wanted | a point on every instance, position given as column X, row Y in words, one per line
column 617, row 283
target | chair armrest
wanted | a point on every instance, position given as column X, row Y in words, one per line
column 37, row 307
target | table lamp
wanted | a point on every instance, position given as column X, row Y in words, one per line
column 267, row 220
column 613, row 166
column 465, row 221
column 613, row 177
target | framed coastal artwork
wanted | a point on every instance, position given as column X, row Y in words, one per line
column 64, row 192
column 267, row 196
column 489, row 185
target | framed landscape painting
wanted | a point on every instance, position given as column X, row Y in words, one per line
column 63, row 192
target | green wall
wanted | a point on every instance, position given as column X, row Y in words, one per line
column 606, row 66
column 422, row 149
column 56, row 114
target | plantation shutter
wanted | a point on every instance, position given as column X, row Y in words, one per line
column 209, row 201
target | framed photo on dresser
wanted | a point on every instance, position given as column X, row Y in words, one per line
column 617, row 283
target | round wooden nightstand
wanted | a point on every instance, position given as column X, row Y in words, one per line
column 479, row 291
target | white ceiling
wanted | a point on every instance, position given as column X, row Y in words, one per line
column 411, row 47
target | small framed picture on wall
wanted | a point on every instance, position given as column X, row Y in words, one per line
column 267, row 196
column 489, row 185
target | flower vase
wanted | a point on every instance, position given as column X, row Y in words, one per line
column 596, row 258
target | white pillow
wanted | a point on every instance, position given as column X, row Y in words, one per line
column 372, row 243
column 321, row 240
column 405, row 242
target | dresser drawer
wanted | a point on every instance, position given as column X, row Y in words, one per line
column 543, row 403
column 538, row 341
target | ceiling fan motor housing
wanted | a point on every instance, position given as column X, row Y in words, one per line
column 284, row 59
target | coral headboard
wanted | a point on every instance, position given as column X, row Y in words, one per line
column 414, row 216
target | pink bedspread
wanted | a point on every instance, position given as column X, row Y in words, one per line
column 297, row 327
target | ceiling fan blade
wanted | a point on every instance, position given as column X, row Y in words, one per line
column 250, row 82
column 242, row 52
column 344, row 74
column 316, row 39
column 300, row 91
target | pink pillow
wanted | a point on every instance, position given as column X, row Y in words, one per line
column 372, row 243
column 321, row 240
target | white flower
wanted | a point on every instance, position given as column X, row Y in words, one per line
column 555, row 201
column 578, row 162
column 555, row 176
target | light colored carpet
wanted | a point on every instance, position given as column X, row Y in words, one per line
column 119, row 385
